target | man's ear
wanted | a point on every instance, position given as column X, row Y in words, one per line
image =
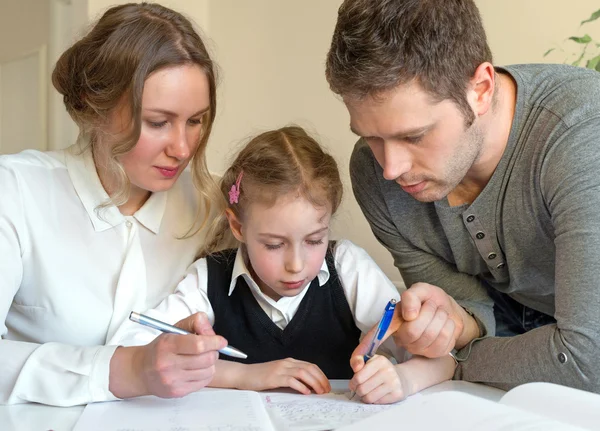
column 234, row 224
column 481, row 88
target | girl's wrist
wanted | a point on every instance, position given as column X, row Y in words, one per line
column 232, row 375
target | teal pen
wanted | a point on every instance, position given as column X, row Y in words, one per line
column 165, row 327
column 382, row 328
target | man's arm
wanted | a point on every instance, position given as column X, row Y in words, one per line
column 566, row 352
column 415, row 265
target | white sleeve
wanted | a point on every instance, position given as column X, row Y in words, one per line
column 190, row 297
column 51, row 373
column 367, row 289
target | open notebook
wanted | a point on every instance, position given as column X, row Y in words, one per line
column 528, row 407
column 228, row 410
column 533, row 406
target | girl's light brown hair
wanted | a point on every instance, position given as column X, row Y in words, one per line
column 275, row 164
column 111, row 64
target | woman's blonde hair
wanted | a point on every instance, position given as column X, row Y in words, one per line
column 111, row 64
column 274, row 164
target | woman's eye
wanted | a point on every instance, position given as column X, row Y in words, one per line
column 157, row 124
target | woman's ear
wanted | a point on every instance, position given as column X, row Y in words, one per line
column 234, row 224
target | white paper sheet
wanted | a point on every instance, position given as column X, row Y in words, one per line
column 207, row 410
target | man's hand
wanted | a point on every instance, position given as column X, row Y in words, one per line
column 427, row 322
column 432, row 323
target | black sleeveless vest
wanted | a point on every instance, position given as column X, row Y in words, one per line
column 322, row 331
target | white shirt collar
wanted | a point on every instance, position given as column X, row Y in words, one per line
column 240, row 269
column 88, row 187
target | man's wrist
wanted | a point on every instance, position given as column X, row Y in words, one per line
column 470, row 329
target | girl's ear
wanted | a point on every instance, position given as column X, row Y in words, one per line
column 234, row 225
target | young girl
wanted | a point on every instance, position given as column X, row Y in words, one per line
column 293, row 301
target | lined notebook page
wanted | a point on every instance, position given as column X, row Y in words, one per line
column 207, row 410
column 293, row 412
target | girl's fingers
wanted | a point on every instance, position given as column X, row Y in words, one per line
column 293, row 383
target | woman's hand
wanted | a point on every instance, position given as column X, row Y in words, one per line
column 170, row 366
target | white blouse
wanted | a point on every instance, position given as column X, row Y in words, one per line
column 70, row 272
column 367, row 289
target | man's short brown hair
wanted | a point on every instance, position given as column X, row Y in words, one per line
column 380, row 44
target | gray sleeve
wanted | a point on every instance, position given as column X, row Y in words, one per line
column 566, row 352
column 415, row 265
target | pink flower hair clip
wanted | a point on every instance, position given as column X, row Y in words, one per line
column 234, row 192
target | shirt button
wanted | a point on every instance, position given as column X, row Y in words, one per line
column 492, row 256
column 128, row 224
column 470, row 218
column 562, row 358
column 480, row 235
column 501, row 265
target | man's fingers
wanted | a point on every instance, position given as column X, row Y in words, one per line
column 411, row 331
column 413, row 297
column 443, row 344
column 433, row 330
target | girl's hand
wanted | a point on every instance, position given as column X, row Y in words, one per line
column 285, row 373
column 379, row 381
column 170, row 366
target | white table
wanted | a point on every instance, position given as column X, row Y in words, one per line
column 35, row 417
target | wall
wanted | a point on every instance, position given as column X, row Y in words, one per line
column 521, row 31
column 272, row 56
column 272, row 53
column 23, row 27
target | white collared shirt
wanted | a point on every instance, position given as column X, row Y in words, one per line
column 366, row 287
column 70, row 273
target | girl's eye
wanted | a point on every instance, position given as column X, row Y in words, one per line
column 157, row 124
column 315, row 242
column 195, row 121
column 272, row 246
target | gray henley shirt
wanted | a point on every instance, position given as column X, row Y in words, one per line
column 533, row 233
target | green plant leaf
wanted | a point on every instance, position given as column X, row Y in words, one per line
column 593, row 63
column 593, row 17
column 584, row 39
column 578, row 61
column 548, row 52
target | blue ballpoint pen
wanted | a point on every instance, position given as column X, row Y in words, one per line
column 165, row 327
column 382, row 328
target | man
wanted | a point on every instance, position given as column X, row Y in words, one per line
column 483, row 183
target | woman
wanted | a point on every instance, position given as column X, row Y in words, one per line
column 109, row 225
